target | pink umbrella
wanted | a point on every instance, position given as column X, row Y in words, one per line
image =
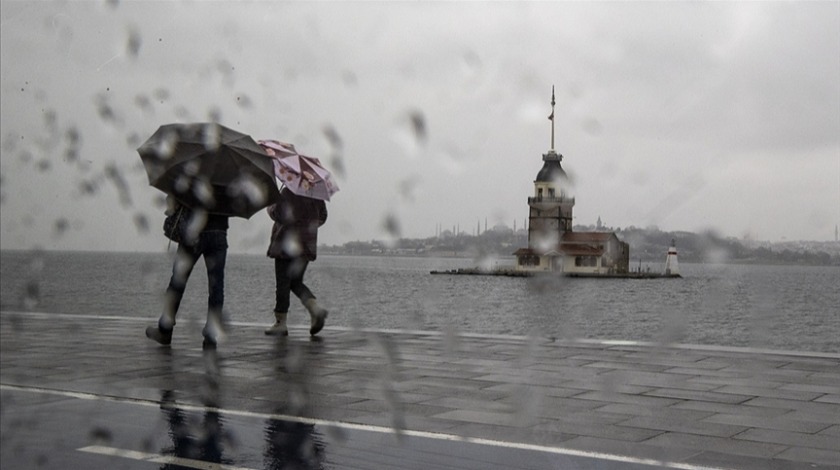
column 303, row 175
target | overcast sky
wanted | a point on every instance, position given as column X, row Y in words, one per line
column 687, row 116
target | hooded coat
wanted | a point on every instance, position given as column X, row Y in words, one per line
column 296, row 221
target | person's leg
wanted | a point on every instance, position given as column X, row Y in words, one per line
column 214, row 248
column 282, row 293
column 317, row 314
column 296, row 270
column 283, row 284
column 185, row 259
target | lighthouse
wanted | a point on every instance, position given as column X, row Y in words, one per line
column 672, row 267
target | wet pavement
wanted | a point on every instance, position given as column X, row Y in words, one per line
column 93, row 392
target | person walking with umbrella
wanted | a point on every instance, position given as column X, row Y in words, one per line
column 211, row 243
column 297, row 215
column 210, row 173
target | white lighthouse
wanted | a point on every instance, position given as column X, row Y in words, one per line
column 672, row 267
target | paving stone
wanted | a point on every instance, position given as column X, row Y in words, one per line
column 658, row 411
column 625, row 398
column 609, row 386
column 757, row 391
column 833, row 430
column 830, row 410
column 818, row 456
column 829, row 398
column 718, row 444
column 720, row 460
column 827, row 419
column 796, row 439
column 778, row 423
column 698, row 395
column 614, row 432
column 483, row 417
column 631, row 449
column 724, row 408
column 665, row 423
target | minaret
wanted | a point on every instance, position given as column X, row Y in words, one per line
column 550, row 207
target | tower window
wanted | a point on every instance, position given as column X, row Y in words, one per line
column 551, row 192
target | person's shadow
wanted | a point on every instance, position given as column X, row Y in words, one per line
column 293, row 445
column 203, row 439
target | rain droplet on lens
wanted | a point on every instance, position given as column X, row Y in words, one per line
column 115, row 176
column 336, row 433
column 141, row 222
column 50, row 119
column 134, row 43
column 104, row 109
column 31, row 294
column 418, row 125
column 61, row 226
column 182, row 113
column 243, row 101
column 161, row 94
column 391, row 225
column 592, row 127
column 337, row 165
column 143, row 102
column 408, row 186
column 43, row 165
column 88, row 187
column 100, row 435
column 349, row 78
column 73, row 136
column 133, row 140
column 333, row 138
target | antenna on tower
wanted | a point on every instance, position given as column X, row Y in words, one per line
column 551, row 118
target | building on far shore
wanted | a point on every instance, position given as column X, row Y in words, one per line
column 552, row 245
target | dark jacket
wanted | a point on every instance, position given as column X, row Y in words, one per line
column 296, row 221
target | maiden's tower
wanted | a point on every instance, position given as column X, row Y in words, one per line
column 552, row 244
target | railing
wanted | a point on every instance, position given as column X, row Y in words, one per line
column 535, row 200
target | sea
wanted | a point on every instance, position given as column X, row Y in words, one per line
column 789, row 308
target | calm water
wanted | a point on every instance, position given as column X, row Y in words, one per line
column 778, row 307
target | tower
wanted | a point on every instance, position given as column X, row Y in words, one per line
column 550, row 213
column 672, row 267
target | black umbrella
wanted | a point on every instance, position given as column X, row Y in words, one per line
column 210, row 167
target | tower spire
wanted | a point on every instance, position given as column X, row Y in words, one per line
column 551, row 118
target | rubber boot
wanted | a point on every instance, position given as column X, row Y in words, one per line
column 162, row 333
column 214, row 330
column 279, row 327
column 317, row 316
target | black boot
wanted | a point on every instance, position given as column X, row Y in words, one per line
column 163, row 337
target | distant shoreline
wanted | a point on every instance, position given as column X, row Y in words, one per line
column 323, row 252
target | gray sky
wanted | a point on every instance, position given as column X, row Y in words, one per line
column 688, row 116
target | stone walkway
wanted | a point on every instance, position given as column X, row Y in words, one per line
column 687, row 407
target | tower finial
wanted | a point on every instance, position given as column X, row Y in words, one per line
column 551, row 118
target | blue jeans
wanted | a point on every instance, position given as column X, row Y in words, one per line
column 213, row 246
column 289, row 276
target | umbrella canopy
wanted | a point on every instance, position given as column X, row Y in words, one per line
column 210, row 167
column 303, row 175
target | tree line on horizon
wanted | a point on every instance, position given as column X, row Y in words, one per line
column 646, row 245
